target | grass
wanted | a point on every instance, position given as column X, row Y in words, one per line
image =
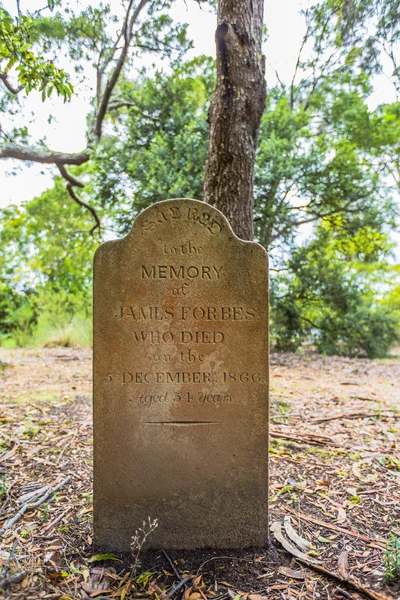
column 75, row 332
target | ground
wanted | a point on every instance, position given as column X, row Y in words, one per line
column 335, row 471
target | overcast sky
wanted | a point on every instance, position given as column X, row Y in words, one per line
column 66, row 132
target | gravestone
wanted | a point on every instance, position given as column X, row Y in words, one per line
column 181, row 383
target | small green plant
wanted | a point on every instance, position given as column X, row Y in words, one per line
column 31, row 430
column 392, row 558
column 138, row 541
column 44, row 513
column 3, row 486
column 282, row 407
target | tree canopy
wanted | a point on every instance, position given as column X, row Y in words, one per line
column 326, row 175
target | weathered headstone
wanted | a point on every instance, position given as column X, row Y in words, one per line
column 181, row 382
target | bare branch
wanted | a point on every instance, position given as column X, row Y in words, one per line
column 118, row 105
column 110, row 85
column 43, row 156
column 312, row 219
column 70, row 178
column 73, row 182
column 85, row 205
column 305, row 38
column 8, row 85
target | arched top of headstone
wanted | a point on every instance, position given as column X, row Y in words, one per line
column 188, row 217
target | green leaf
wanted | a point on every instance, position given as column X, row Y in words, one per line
column 355, row 499
column 144, row 578
column 324, row 540
column 98, row 557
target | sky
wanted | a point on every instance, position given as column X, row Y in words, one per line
column 66, row 131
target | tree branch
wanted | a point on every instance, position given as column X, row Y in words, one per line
column 110, row 85
column 70, row 178
column 73, row 182
column 8, row 85
column 305, row 38
column 310, row 220
column 43, row 156
column 119, row 105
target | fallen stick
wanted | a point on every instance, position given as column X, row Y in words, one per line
column 27, row 506
column 360, row 536
column 173, row 567
column 179, row 586
column 8, row 496
column 4, row 572
column 305, row 438
column 286, row 416
column 54, row 522
column 13, row 579
column 355, row 415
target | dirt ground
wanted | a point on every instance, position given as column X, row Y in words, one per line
column 335, row 472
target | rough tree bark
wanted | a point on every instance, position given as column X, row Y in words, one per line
column 236, row 111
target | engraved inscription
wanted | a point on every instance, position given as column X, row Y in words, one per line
column 197, row 313
column 180, row 272
column 150, row 400
column 187, row 248
column 167, row 377
column 202, row 216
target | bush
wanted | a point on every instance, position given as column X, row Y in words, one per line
column 365, row 332
column 49, row 319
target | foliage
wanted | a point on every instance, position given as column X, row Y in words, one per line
column 392, row 558
column 327, row 171
column 34, row 72
column 45, row 270
column 163, row 149
column 364, row 32
column 329, row 297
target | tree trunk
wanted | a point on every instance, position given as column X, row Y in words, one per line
column 235, row 112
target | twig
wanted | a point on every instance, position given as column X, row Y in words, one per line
column 7, row 500
column 27, row 506
column 344, row 593
column 355, row 534
column 173, row 567
column 179, row 586
column 303, row 438
column 354, row 415
column 4, row 572
column 52, row 523
column 13, row 579
column 286, row 416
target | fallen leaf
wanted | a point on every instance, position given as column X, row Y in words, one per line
column 291, row 573
column 343, row 565
column 276, row 530
column 294, row 536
